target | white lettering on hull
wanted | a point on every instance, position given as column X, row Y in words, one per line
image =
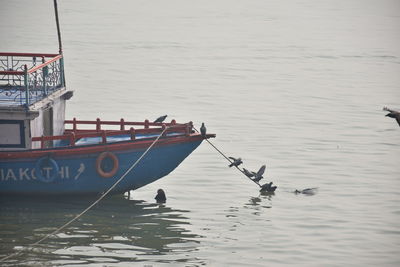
column 15, row 174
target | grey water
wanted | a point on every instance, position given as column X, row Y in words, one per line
column 296, row 85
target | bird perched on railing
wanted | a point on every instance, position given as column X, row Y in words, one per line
column 160, row 119
column 393, row 114
column 259, row 175
column 236, row 162
column 203, row 130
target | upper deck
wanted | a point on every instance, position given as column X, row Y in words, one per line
column 26, row 78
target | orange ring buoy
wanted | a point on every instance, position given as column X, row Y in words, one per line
column 99, row 162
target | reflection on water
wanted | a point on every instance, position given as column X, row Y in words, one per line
column 116, row 230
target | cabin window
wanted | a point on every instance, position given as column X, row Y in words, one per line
column 12, row 134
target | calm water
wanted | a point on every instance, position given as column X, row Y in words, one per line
column 297, row 85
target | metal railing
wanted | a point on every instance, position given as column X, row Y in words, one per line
column 26, row 78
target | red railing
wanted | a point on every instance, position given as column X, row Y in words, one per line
column 74, row 134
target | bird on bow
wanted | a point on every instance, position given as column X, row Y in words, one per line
column 236, row 162
column 259, row 175
column 203, row 130
column 393, row 114
column 160, row 119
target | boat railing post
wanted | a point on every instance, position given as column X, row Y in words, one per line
column 133, row 133
column 146, row 124
column 98, row 125
column 44, row 73
column 42, row 142
column 72, row 139
column 187, row 130
column 62, row 76
column 173, row 122
column 122, row 127
column 103, row 137
column 74, row 126
column 26, row 81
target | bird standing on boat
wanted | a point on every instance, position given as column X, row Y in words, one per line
column 259, row 175
column 160, row 197
column 160, row 119
column 236, row 162
column 203, row 130
column 393, row 114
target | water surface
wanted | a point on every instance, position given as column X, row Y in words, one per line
column 297, row 85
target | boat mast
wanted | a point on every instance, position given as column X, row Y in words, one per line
column 58, row 27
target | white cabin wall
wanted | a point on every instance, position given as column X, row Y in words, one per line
column 59, row 116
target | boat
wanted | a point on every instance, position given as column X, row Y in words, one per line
column 42, row 153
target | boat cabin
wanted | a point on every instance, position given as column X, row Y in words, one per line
column 32, row 99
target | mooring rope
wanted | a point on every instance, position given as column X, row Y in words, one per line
column 92, row 205
column 228, row 159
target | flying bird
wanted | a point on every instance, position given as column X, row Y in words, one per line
column 160, row 197
column 248, row 173
column 259, row 175
column 203, row 130
column 393, row 114
column 161, row 119
column 236, row 162
column 268, row 187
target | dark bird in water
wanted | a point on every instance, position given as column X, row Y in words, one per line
column 268, row 187
column 160, row 197
column 307, row 191
column 248, row 173
column 393, row 114
column 236, row 162
column 259, row 175
column 203, row 130
column 161, row 119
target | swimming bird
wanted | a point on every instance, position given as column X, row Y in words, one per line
column 258, row 176
column 160, row 197
column 203, row 130
column 248, row 173
column 268, row 187
column 307, row 191
column 393, row 114
column 236, row 162
column 161, row 119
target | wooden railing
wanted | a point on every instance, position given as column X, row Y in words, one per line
column 74, row 134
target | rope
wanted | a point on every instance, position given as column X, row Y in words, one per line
column 93, row 204
column 228, row 159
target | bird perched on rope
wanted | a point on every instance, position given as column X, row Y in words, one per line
column 203, row 130
column 248, row 173
column 393, row 114
column 160, row 197
column 259, row 175
column 161, row 119
column 268, row 187
column 236, row 162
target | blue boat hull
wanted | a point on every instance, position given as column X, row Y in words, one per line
column 76, row 171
